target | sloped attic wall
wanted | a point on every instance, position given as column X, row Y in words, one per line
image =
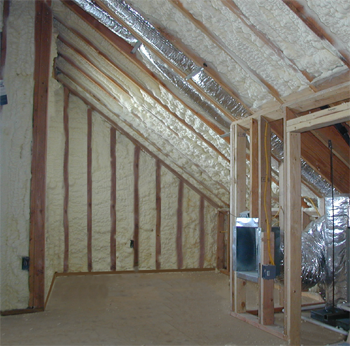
column 101, row 192
column 15, row 154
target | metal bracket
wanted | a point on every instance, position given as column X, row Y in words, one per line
column 136, row 47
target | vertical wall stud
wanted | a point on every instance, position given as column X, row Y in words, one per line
column 136, row 206
column 179, row 225
column 159, row 214
column 89, row 189
column 113, row 245
column 201, row 233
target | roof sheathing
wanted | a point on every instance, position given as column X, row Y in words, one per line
column 292, row 36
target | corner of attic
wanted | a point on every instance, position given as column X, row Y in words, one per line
column 136, row 134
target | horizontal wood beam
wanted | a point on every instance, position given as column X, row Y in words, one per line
column 323, row 118
column 144, row 148
column 141, row 87
column 125, row 49
column 313, row 24
column 165, row 60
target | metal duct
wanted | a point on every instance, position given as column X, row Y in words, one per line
column 153, row 37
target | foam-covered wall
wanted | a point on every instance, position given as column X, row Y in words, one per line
column 15, row 154
column 101, row 196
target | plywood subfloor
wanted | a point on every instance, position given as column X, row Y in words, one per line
column 138, row 309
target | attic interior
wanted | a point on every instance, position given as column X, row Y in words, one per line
column 178, row 136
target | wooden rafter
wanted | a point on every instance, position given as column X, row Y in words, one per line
column 236, row 10
column 141, row 87
column 165, row 60
column 144, row 148
column 218, row 42
column 125, row 49
column 156, row 148
column 112, row 95
column 318, row 29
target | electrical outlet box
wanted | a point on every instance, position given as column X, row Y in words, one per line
column 268, row 272
column 132, row 243
column 25, row 263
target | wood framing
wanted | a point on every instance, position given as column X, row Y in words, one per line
column 5, row 15
column 292, row 236
column 113, row 213
column 201, row 232
column 179, row 225
column 89, row 189
column 266, row 308
column 66, row 180
column 43, row 33
column 254, row 168
column 220, row 251
column 159, row 214
column 136, row 206
column 238, row 200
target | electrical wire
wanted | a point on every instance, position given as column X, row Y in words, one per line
column 268, row 230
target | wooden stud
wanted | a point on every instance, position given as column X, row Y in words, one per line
column 5, row 15
column 43, row 33
column 66, row 180
column 266, row 287
column 239, row 200
column 144, row 148
column 254, row 168
column 201, row 233
column 89, row 189
column 179, row 225
column 113, row 214
column 220, row 241
column 159, row 214
column 136, row 83
column 292, row 256
column 136, row 206
column 128, row 124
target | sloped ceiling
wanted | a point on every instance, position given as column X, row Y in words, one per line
column 175, row 74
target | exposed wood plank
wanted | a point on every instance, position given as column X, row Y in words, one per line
column 5, row 15
column 165, row 60
column 159, row 214
column 254, row 168
column 80, row 85
column 228, row 240
column 139, row 272
column 66, row 180
column 217, row 41
column 89, row 189
column 50, row 289
column 319, row 29
column 136, row 206
column 332, row 81
column 43, row 32
column 125, row 49
column 239, row 205
column 220, row 241
column 326, row 117
column 201, row 233
column 340, row 147
column 113, row 214
column 144, row 148
column 322, row 98
column 179, row 225
column 236, row 10
column 141, row 87
column 266, row 287
column 20, row 311
column 292, row 256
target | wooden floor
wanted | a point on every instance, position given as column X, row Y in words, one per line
column 140, row 309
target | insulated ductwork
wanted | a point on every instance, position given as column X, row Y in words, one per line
column 153, row 37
